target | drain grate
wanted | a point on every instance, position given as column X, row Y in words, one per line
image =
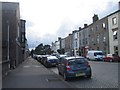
column 53, row 79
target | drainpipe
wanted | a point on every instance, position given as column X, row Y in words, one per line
column 8, row 53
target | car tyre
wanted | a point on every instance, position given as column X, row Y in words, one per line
column 59, row 73
column 89, row 76
column 111, row 60
column 103, row 60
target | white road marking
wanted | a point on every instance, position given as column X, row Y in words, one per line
column 26, row 66
column 36, row 66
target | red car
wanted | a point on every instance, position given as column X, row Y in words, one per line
column 112, row 58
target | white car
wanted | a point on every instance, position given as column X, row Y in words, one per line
column 95, row 55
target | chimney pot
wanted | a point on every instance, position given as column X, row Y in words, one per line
column 95, row 18
column 85, row 25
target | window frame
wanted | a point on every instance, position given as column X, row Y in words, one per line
column 114, row 20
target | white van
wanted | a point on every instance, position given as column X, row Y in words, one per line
column 95, row 55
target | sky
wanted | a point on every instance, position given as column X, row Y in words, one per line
column 46, row 20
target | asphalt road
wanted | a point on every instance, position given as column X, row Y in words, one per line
column 104, row 75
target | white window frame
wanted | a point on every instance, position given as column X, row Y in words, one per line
column 114, row 20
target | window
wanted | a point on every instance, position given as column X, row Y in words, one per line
column 97, row 27
column 115, row 32
column 76, row 44
column 75, row 35
column 103, row 25
column 114, row 21
column 22, row 38
column 104, row 39
column 116, row 50
column 80, row 42
column 114, row 35
column 97, row 38
column 92, row 40
column 91, row 29
column 86, row 40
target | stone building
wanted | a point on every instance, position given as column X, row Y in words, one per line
column 68, row 45
column 98, row 35
column 12, row 48
column 114, row 40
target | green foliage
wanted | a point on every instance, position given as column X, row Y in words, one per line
column 43, row 49
column 61, row 51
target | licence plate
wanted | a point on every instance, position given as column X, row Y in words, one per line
column 80, row 74
column 53, row 63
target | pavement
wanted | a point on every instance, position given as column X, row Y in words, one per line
column 32, row 74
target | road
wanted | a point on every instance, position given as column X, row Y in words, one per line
column 104, row 75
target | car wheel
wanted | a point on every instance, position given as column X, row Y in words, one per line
column 59, row 73
column 65, row 77
column 95, row 59
column 89, row 76
column 103, row 60
column 111, row 60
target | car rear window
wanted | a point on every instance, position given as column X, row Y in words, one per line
column 76, row 61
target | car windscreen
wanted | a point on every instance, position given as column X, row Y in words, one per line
column 76, row 61
column 98, row 53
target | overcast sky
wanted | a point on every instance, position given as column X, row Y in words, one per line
column 46, row 20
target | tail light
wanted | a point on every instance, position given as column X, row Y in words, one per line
column 68, row 66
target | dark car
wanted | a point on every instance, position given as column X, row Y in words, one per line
column 112, row 58
column 51, row 61
column 74, row 67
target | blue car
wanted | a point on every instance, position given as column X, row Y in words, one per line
column 50, row 61
column 70, row 67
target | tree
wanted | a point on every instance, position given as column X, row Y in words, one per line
column 61, row 51
column 39, row 49
column 43, row 49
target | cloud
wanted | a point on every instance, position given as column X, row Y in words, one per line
column 45, row 39
column 29, row 24
column 110, row 8
column 61, row 18
column 65, row 28
column 46, row 20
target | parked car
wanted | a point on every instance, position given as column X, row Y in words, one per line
column 43, row 59
column 95, row 55
column 51, row 61
column 70, row 67
column 61, row 55
column 112, row 58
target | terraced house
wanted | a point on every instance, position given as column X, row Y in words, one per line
column 103, row 34
column 114, row 32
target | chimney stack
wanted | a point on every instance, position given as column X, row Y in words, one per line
column 85, row 25
column 59, row 38
column 95, row 18
column 80, row 28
